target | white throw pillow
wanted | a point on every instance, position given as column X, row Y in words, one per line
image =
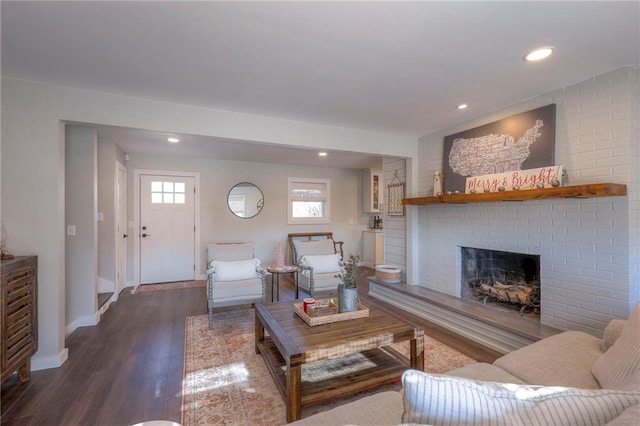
column 619, row 367
column 440, row 399
column 322, row 263
column 235, row 270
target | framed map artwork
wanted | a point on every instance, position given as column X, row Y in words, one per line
column 522, row 141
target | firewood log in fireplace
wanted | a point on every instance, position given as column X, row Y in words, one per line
column 524, row 295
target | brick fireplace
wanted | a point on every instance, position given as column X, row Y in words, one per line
column 588, row 247
column 582, row 245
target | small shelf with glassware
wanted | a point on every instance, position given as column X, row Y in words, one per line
column 372, row 191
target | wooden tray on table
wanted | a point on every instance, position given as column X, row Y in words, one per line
column 298, row 308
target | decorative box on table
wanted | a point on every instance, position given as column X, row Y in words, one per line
column 325, row 312
column 322, row 307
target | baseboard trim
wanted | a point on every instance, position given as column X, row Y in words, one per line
column 105, row 306
column 86, row 321
column 46, row 362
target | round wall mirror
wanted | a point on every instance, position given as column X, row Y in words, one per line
column 245, row 200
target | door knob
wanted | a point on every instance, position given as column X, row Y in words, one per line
column 125, row 236
column 145, row 235
column 144, row 228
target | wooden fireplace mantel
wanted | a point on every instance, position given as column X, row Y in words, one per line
column 573, row 191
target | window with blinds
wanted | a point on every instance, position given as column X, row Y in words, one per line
column 309, row 200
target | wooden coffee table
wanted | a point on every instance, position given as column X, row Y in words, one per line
column 292, row 343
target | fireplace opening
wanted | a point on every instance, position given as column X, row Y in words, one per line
column 505, row 280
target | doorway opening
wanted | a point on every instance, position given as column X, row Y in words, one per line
column 166, row 224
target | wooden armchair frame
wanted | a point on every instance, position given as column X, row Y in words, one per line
column 311, row 236
column 214, row 285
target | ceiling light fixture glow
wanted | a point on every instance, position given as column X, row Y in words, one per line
column 462, row 106
column 173, row 140
column 538, row 54
column 322, row 154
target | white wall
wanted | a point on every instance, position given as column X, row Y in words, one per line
column 270, row 226
column 634, row 193
column 33, row 163
column 106, row 190
column 108, row 155
column 395, row 230
column 81, row 209
column 588, row 247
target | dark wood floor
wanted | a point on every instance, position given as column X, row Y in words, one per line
column 128, row 368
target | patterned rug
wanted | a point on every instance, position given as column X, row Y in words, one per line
column 226, row 383
column 144, row 288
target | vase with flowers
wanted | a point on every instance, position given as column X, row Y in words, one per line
column 348, row 288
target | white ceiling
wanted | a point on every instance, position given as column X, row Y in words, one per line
column 136, row 140
column 393, row 67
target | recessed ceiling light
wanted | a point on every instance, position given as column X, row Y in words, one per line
column 173, row 140
column 462, row 106
column 322, row 154
column 538, row 54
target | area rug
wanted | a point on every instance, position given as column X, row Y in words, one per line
column 226, row 383
column 145, row 288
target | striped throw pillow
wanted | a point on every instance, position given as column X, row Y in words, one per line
column 619, row 367
column 449, row 400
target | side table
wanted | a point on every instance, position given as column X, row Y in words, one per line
column 276, row 271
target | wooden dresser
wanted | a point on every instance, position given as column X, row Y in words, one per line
column 19, row 332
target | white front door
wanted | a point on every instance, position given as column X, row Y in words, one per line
column 167, row 229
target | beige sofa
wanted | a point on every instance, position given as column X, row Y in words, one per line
column 566, row 359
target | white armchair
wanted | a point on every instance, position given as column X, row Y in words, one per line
column 234, row 276
column 319, row 258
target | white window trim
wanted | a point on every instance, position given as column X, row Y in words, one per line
column 311, row 220
column 241, row 199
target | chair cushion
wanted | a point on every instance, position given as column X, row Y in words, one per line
column 224, row 291
column 304, row 248
column 611, row 333
column 382, row 408
column 485, row 372
column 629, row 417
column 235, row 270
column 619, row 367
column 230, row 251
column 439, row 399
column 321, row 282
column 573, row 354
column 322, row 263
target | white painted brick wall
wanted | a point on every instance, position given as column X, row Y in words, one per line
column 590, row 261
column 634, row 196
column 395, row 227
